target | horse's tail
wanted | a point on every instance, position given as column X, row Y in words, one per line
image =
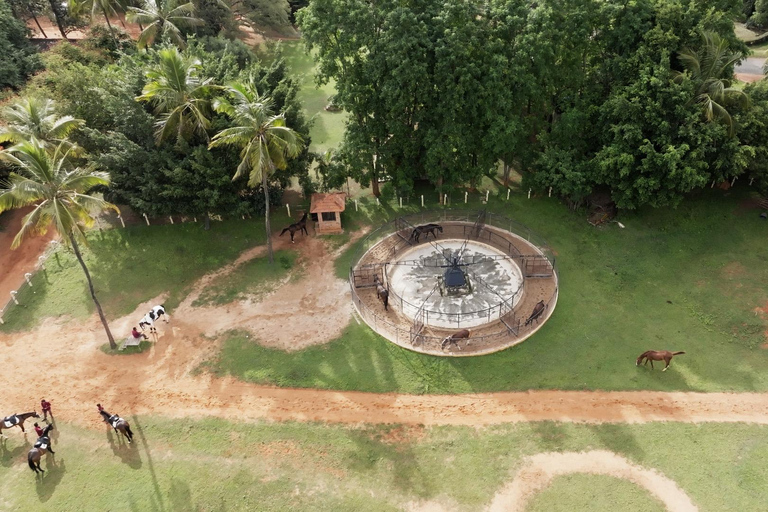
column 30, row 462
column 677, row 353
column 283, row 231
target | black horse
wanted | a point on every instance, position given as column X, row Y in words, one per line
column 381, row 292
column 298, row 226
column 42, row 445
column 119, row 424
column 425, row 230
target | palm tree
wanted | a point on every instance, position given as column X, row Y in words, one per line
column 59, row 193
column 163, row 18
column 264, row 138
column 105, row 7
column 711, row 69
column 32, row 117
column 179, row 94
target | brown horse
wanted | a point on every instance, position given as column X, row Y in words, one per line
column 381, row 292
column 300, row 226
column 454, row 338
column 119, row 424
column 42, row 446
column 538, row 309
column 16, row 420
column 657, row 355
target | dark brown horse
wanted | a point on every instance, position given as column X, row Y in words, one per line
column 425, row 230
column 119, row 424
column 381, row 292
column 16, row 420
column 42, row 445
column 657, row 355
column 454, row 338
column 297, row 226
column 538, row 310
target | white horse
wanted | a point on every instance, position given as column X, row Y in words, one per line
column 150, row 318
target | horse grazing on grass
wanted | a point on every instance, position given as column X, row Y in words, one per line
column 538, row 310
column 381, row 292
column 297, row 226
column 119, row 424
column 454, row 338
column 656, row 355
column 42, row 445
column 425, row 230
column 16, row 420
column 150, row 318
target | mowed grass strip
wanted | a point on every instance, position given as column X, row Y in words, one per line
column 132, row 265
column 253, row 279
column 217, row 465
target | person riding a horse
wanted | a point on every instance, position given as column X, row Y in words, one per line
column 43, row 441
column 42, row 445
column 117, row 423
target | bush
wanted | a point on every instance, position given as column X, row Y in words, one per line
column 19, row 58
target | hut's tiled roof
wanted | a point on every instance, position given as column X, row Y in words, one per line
column 331, row 202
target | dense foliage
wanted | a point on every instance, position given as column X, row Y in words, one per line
column 177, row 175
column 577, row 95
column 19, row 58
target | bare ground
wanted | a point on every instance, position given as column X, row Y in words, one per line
column 15, row 263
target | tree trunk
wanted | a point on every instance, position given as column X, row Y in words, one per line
column 440, row 189
column 79, row 256
column 507, row 168
column 58, row 19
column 375, row 178
column 266, row 215
column 38, row 24
column 111, row 30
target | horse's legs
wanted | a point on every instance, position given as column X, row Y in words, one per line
column 651, row 360
column 667, row 361
column 292, row 237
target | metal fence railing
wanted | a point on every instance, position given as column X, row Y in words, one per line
column 538, row 265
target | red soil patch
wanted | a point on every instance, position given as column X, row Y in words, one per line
column 15, row 263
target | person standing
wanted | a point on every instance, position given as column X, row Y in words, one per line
column 46, row 409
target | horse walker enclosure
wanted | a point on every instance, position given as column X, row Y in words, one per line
column 448, row 272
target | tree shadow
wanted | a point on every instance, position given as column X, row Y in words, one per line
column 7, row 457
column 157, row 499
column 619, row 438
column 46, row 483
column 128, row 453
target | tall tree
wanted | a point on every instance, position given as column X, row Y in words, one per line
column 265, row 141
column 105, row 7
column 180, row 96
column 60, row 195
column 32, row 117
column 164, row 18
column 711, row 69
column 19, row 57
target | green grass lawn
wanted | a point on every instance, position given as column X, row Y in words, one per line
column 184, row 465
column 132, row 265
column 680, row 279
column 327, row 127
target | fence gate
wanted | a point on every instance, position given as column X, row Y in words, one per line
column 537, row 266
column 363, row 275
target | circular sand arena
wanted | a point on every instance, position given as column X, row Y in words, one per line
column 493, row 280
column 465, row 271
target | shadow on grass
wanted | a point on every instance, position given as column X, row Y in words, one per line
column 8, row 457
column 128, row 453
column 47, row 482
column 143, row 346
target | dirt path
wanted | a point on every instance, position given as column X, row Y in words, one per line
column 14, row 263
column 539, row 471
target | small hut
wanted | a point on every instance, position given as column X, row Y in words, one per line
column 327, row 208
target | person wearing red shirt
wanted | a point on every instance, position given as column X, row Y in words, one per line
column 136, row 334
column 39, row 430
column 46, row 409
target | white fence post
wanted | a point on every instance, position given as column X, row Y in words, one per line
column 355, row 204
column 529, row 193
column 13, row 296
column 401, row 201
column 27, row 276
column 171, row 218
column 121, row 220
column 288, row 207
column 422, row 200
column 486, row 195
column 146, row 219
column 508, row 191
column 41, row 261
